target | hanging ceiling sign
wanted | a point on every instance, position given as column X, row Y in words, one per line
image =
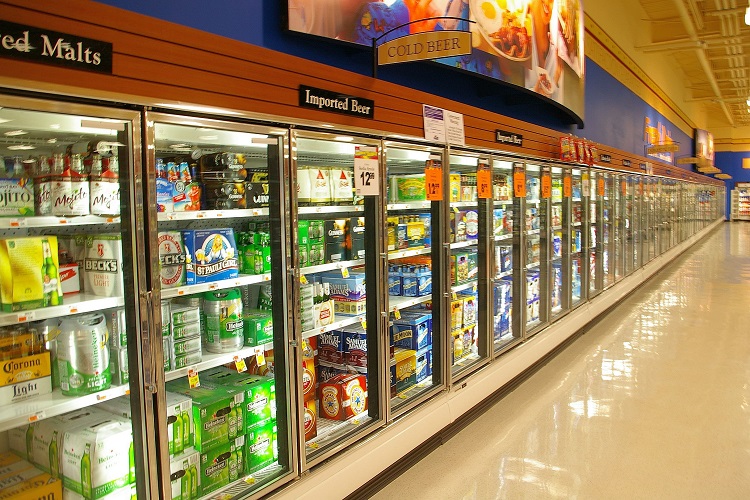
column 19, row 41
column 425, row 46
column 325, row 100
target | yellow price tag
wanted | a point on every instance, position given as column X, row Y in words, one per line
column 363, row 322
column 355, row 421
column 344, row 272
column 239, row 364
column 314, row 446
column 455, row 296
column 402, row 396
column 396, row 313
column 250, row 480
column 260, row 356
column 193, row 380
column 303, row 279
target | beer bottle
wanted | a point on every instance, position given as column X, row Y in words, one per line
column 193, row 471
column 233, row 469
column 54, row 464
column 49, row 277
column 29, row 442
column 185, row 485
column 232, row 421
column 86, row 472
column 185, row 430
column 177, row 432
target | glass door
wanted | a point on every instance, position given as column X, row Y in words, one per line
column 639, row 218
column 619, row 191
column 534, row 262
column 76, row 365
column 558, row 273
column 594, row 247
column 469, row 336
column 651, row 216
column 414, row 236
column 605, row 186
column 504, row 335
column 629, row 222
column 221, row 288
column 577, row 219
column 339, row 243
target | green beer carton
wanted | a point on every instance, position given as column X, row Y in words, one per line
column 217, row 412
column 259, row 394
column 180, row 427
column 221, row 465
column 184, row 475
column 258, row 325
column 260, row 448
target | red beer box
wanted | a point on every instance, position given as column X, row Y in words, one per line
column 311, row 419
column 355, row 346
column 331, row 346
column 343, row 397
column 309, row 378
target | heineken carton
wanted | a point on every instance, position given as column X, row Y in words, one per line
column 260, row 447
column 184, row 475
column 180, row 427
column 221, row 465
column 259, row 394
column 97, row 459
column 217, row 412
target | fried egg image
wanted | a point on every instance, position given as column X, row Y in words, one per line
column 489, row 15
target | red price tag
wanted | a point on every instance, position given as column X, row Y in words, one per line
column 600, row 186
column 567, row 187
column 484, row 183
column 434, row 183
column 519, row 184
column 546, row 186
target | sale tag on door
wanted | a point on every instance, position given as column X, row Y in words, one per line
column 567, row 187
column 546, row 185
column 600, row 186
column 433, row 174
column 519, row 182
column 484, row 181
column 366, row 166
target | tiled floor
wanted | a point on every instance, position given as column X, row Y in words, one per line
column 652, row 403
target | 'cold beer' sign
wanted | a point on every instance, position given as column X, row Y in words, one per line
column 18, row 41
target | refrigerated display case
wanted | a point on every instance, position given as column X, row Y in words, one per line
column 341, row 294
column 557, row 251
column 594, row 245
column 504, row 333
column 222, row 296
column 534, row 269
column 630, row 226
column 640, row 221
column 619, row 190
column 466, row 236
column 577, row 218
column 70, row 273
column 605, row 187
column 414, row 235
column 650, row 188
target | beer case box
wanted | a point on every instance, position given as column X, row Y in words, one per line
column 357, row 235
column 217, row 410
column 423, row 364
column 310, row 419
column 348, row 294
column 184, row 475
column 355, row 346
column 164, row 202
column 181, row 332
column 118, row 335
column 327, row 371
column 410, row 187
column 22, row 285
column 211, row 255
column 404, row 370
column 25, row 390
column 184, row 360
column 259, row 394
column 186, row 346
column 257, row 189
column 171, row 259
column 101, row 452
column 18, row 197
column 118, row 366
column 309, row 379
column 260, row 447
column 11, row 466
column 25, row 369
column 180, row 426
column 166, row 350
column 127, row 493
column 412, row 331
column 258, row 325
column 217, row 463
column 331, row 346
column 70, row 278
column 28, row 482
column 183, row 315
column 343, row 397
column 316, row 252
column 335, row 240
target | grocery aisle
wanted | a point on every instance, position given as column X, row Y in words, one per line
column 652, row 402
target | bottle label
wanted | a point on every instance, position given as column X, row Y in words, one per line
column 70, row 196
column 105, row 196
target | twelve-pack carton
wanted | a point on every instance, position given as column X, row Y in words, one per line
column 29, row 273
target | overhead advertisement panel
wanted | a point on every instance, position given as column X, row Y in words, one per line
column 534, row 44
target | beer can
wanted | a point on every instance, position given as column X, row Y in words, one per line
column 224, row 324
column 320, row 185
column 83, row 355
column 103, row 265
column 303, row 186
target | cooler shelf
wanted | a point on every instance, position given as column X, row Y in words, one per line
column 349, row 320
column 414, row 205
column 212, row 214
column 464, row 204
column 52, row 221
column 242, row 280
column 463, row 244
column 330, row 209
column 503, row 237
column 332, row 266
column 49, row 405
column 211, row 360
column 397, row 303
column 464, row 286
column 73, row 304
column 400, row 254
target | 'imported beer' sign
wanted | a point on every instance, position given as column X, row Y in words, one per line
column 18, row 41
column 325, row 100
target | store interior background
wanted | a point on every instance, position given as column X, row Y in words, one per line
column 620, row 94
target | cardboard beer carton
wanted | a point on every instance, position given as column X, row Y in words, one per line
column 184, row 475
column 28, row 280
column 171, row 259
column 311, row 419
column 27, row 482
column 343, row 397
column 211, row 255
column 221, row 464
column 259, row 394
column 16, row 197
column 260, row 447
column 103, row 265
column 25, row 368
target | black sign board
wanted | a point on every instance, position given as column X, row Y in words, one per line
column 643, row 166
column 605, row 158
column 625, row 163
column 27, row 43
column 505, row 137
column 325, row 100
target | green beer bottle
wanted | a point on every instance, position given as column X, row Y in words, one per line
column 50, row 276
column 185, row 430
column 29, row 442
column 185, row 485
column 86, row 472
column 193, row 471
column 233, row 467
column 232, row 421
column 54, row 463
column 177, row 432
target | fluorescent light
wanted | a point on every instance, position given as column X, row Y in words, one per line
column 4, row 120
column 21, row 147
column 55, row 126
column 343, row 138
column 13, row 133
column 747, row 16
column 208, row 137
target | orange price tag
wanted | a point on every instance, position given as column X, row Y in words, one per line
column 600, row 186
column 434, row 183
column 484, row 183
column 546, row 186
column 624, row 188
column 567, row 187
column 519, row 184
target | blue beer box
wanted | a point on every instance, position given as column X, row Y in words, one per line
column 394, row 283
column 211, row 254
column 424, row 364
column 413, row 331
column 506, row 259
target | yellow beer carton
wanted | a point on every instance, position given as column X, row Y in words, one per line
column 21, row 480
column 29, row 277
column 13, row 371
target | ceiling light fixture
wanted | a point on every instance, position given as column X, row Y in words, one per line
column 13, row 133
column 747, row 15
column 21, row 147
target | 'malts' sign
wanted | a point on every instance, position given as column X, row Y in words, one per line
column 325, row 100
column 27, row 43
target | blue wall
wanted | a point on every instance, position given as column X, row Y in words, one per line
column 614, row 115
column 731, row 163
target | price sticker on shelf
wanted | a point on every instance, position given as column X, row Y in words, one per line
column 600, row 186
column 366, row 180
column 567, row 186
column 193, row 379
column 239, row 364
column 250, row 480
column 519, row 182
column 484, row 183
column 303, row 279
column 36, row 416
column 546, row 185
column 26, row 316
column 313, row 446
column 455, row 296
column 260, row 356
column 585, row 185
column 344, row 272
column 433, row 175
column 363, row 322
column 396, row 313
column 402, row 396
column 624, row 187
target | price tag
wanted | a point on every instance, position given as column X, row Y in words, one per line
column 396, row 313
column 260, row 356
column 624, row 187
column 600, row 186
column 363, row 322
column 434, row 183
column 239, row 364
column 26, row 316
column 484, row 183
column 344, row 272
column 355, row 421
column 303, row 279
column 314, row 446
column 455, row 296
column 36, row 416
column 546, row 186
column 193, row 380
column 567, row 187
column 250, row 480
column 17, row 222
column 366, row 181
column 101, row 397
column 519, row 183
column 402, row 396
column 585, row 185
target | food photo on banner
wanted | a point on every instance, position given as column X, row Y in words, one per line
column 535, row 44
